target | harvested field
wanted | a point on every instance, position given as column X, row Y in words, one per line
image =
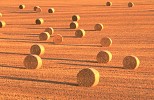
column 130, row 28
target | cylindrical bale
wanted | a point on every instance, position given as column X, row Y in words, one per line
column 57, row 39
column 74, row 25
column 108, row 3
column 37, row 49
column 39, row 21
column 2, row 24
column 22, row 6
column 38, row 9
column 106, row 42
column 51, row 10
column 35, row 7
column 98, row 27
column 1, row 15
column 50, row 30
column 80, row 33
column 130, row 4
column 75, row 18
column 131, row 62
column 88, row 77
column 44, row 36
column 104, row 57
column 32, row 62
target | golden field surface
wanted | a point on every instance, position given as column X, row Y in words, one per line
column 132, row 32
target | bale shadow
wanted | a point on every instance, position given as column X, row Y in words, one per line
column 88, row 45
column 70, row 37
column 87, row 65
column 8, row 66
column 13, row 53
column 36, row 28
column 38, row 80
column 90, row 30
column 63, row 29
column 21, row 24
column 19, row 40
column 65, row 59
column 25, row 12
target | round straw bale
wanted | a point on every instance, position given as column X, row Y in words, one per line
column 44, row 36
column 50, row 30
column 88, row 77
column 2, row 24
column 37, row 49
column 39, row 21
column 131, row 62
column 108, row 3
column 75, row 18
column 38, row 9
column 104, row 57
column 32, row 62
column 130, row 4
column 51, row 10
column 1, row 15
column 99, row 27
column 80, row 33
column 74, row 25
column 106, row 42
column 57, row 39
column 22, row 6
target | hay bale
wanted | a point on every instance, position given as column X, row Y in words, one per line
column 75, row 18
column 51, row 10
column 44, row 36
column 57, row 39
column 1, row 15
column 37, row 49
column 36, row 7
column 106, row 42
column 32, row 62
column 130, row 4
column 80, row 33
column 98, row 27
column 50, row 30
column 108, row 3
column 2, row 24
column 74, row 25
column 38, row 10
column 131, row 62
column 104, row 57
column 22, row 6
column 88, row 77
column 39, row 21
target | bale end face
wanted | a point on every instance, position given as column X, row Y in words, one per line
column 75, row 18
column 2, row 24
column 108, row 3
column 51, row 10
column 130, row 4
column 50, row 30
column 106, row 42
column 131, row 62
column 22, row 6
column 74, row 25
column 37, row 49
column 98, row 27
column 32, row 62
column 104, row 57
column 88, row 77
column 57, row 39
column 39, row 21
column 80, row 33
column 44, row 36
